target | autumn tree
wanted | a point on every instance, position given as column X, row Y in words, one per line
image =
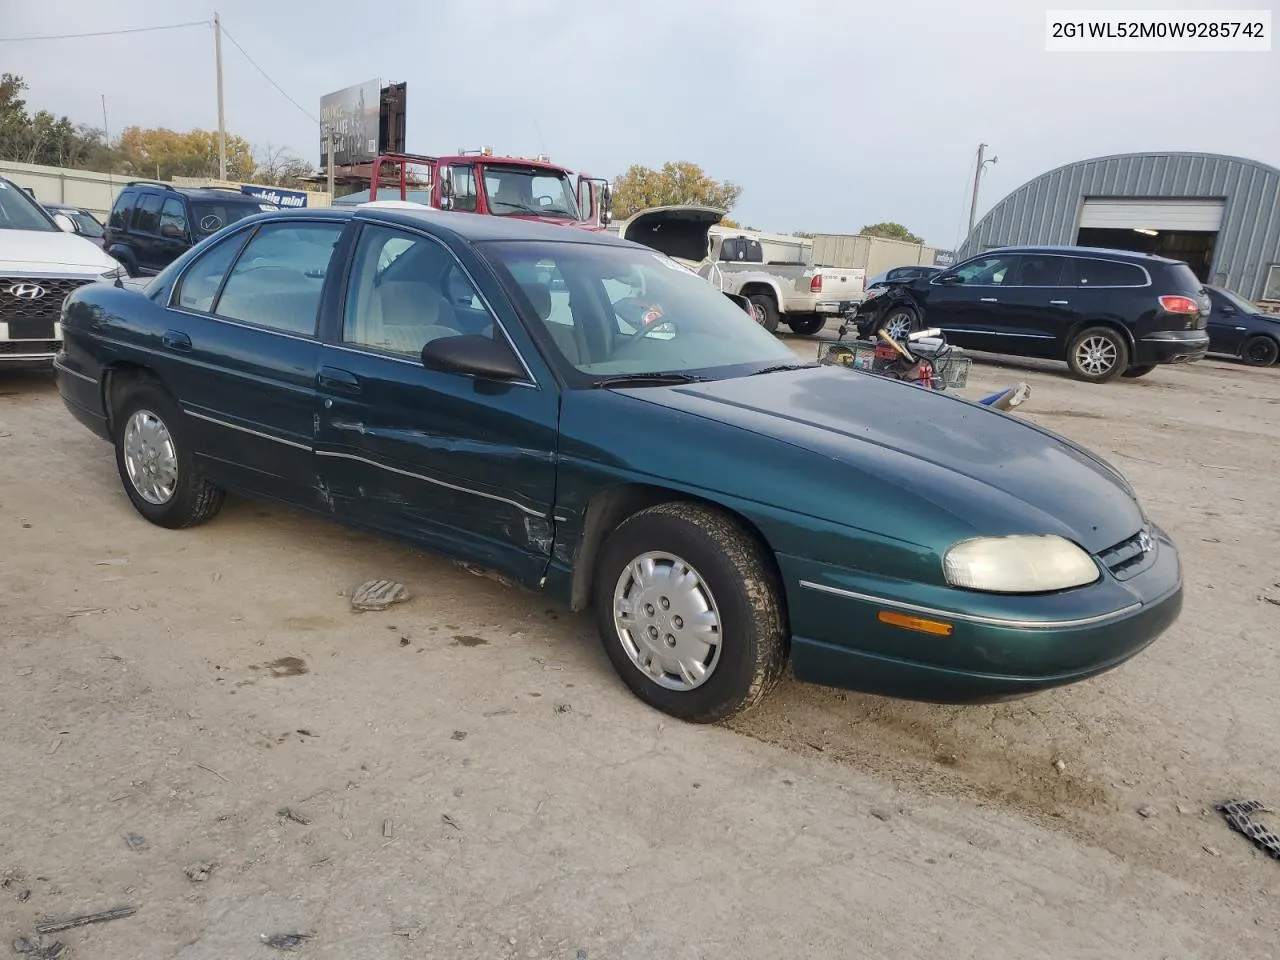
column 890, row 231
column 163, row 154
column 678, row 182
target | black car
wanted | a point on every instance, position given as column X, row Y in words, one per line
column 1238, row 328
column 1107, row 313
column 85, row 223
column 152, row 224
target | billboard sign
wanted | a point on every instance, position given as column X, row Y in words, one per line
column 285, row 199
column 352, row 115
column 944, row 258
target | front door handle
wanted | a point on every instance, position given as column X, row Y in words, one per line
column 176, row 340
column 1057, row 303
column 989, row 300
column 338, row 380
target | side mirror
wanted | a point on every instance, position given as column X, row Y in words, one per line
column 744, row 304
column 473, row 356
column 949, row 279
column 446, row 188
column 606, row 204
column 65, row 223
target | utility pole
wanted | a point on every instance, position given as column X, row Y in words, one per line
column 977, row 180
column 222, row 122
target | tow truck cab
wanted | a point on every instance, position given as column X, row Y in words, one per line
column 479, row 182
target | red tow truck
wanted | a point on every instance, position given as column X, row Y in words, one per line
column 480, row 182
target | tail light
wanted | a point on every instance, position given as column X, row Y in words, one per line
column 1179, row 304
column 815, row 285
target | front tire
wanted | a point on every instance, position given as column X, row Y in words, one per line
column 766, row 311
column 898, row 322
column 1098, row 355
column 807, row 326
column 156, row 463
column 1260, row 351
column 688, row 608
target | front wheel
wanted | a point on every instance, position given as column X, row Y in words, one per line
column 807, row 326
column 1260, row 351
column 899, row 322
column 766, row 311
column 688, row 608
column 1098, row 355
column 1134, row 372
column 156, row 465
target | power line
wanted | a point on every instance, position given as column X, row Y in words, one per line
column 107, row 33
column 279, row 88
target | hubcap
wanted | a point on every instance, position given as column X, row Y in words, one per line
column 667, row 621
column 1096, row 355
column 150, row 457
column 1260, row 351
column 898, row 326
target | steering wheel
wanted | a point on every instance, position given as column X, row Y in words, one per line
column 645, row 316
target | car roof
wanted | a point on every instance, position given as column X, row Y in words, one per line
column 1069, row 251
column 471, row 227
column 195, row 193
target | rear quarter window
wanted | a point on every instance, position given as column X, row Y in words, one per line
column 1183, row 279
column 120, row 211
column 1109, row 273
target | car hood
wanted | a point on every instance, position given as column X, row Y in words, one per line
column 987, row 471
column 680, row 231
column 53, row 251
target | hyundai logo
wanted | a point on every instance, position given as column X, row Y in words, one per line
column 26, row 291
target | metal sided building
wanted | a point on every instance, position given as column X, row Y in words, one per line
column 1219, row 214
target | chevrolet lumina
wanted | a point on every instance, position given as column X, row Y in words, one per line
column 588, row 419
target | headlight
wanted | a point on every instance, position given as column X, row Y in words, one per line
column 114, row 273
column 1019, row 564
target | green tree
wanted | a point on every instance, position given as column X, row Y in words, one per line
column 163, row 154
column 42, row 137
column 678, row 182
column 803, row 234
column 890, row 231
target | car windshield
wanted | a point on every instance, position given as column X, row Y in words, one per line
column 611, row 311
column 19, row 212
column 210, row 216
column 85, row 222
column 1239, row 302
column 515, row 191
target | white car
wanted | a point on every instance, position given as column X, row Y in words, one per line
column 41, row 261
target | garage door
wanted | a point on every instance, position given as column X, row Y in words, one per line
column 1109, row 214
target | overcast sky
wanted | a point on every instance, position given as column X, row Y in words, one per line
column 830, row 115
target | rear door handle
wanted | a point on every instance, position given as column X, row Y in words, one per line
column 338, row 380
column 989, row 300
column 176, row 340
column 1058, row 303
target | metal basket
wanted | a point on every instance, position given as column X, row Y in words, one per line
column 950, row 366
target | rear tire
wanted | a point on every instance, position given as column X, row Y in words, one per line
column 689, row 610
column 1098, row 355
column 156, row 463
column 1134, row 372
column 1260, row 351
column 767, row 311
column 807, row 326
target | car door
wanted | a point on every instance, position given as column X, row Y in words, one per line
column 1033, row 313
column 1226, row 333
column 174, row 234
column 145, row 234
column 463, row 465
column 965, row 302
column 243, row 327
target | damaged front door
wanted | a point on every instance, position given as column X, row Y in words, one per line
column 463, row 465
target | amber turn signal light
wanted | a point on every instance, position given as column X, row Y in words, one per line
column 935, row 628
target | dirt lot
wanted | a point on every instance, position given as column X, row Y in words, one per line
column 477, row 783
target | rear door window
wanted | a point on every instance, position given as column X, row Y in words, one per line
column 1108, row 273
column 1039, row 270
column 173, row 219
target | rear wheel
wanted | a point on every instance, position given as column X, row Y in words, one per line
column 899, row 322
column 689, row 611
column 1134, row 372
column 807, row 326
column 1098, row 355
column 156, row 465
column 766, row 311
column 1260, row 351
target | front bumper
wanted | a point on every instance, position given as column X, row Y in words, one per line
column 1171, row 346
column 1000, row 647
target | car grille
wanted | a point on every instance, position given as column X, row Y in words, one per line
column 1131, row 556
column 33, row 319
column 15, row 348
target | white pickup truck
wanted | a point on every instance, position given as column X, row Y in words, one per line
column 800, row 295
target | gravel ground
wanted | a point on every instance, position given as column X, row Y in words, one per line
column 475, row 781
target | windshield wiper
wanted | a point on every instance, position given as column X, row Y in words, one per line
column 647, row 380
column 779, row 368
